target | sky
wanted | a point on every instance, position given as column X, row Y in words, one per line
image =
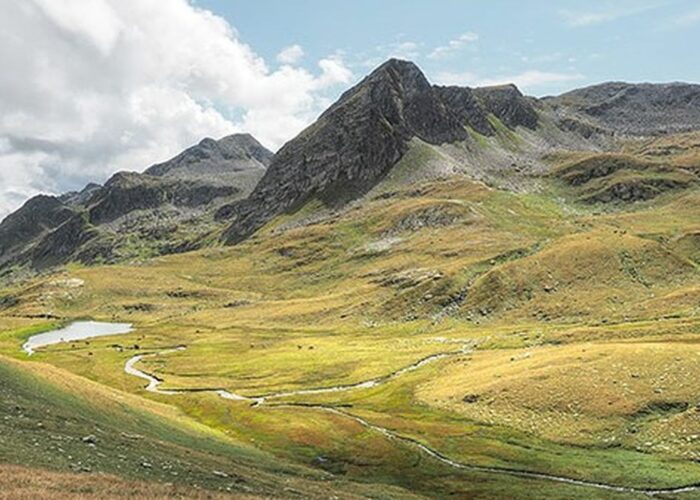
column 92, row 87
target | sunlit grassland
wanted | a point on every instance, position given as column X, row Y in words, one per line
column 49, row 412
column 579, row 327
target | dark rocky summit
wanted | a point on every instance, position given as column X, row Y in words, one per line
column 212, row 159
column 351, row 146
column 77, row 198
column 465, row 106
column 37, row 216
column 354, row 144
column 509, row 105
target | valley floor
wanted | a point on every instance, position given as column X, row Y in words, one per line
column 442, row 339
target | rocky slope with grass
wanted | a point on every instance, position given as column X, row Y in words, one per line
column 355, row 144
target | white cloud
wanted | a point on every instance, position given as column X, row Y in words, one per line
column 89, row 88
column 578, row 18
column 290, row 55
column 453, row 45
column 688, row 19
column 542, row 58
column 527, row 81
column 609, row 12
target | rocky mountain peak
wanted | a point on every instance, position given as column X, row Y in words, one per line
column 634, row 109
column 351, row 146
column 89, row 224
column 36, row 216
column 404, row 75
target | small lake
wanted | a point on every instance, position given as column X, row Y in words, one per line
column 80, row 330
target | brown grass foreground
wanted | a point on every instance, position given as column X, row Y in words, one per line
column 23, row 483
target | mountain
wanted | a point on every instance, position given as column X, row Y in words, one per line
column 351, row 146
column 166, row 209
column 216, row 160
column 392, row 128
column 37, row 216
column 435, row 292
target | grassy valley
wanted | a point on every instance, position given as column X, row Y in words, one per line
column 441, row 337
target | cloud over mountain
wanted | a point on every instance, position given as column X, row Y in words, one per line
column 119, row 84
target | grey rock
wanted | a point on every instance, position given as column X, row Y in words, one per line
column 466, row 107
column 78, row 198
column 509, row 105
column 126, row 192
column 88, row 225
column 213, row 159
column 34, row 218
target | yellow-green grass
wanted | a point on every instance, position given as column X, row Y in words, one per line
column 24, row 483
column 57, row 421
column 324, row 297
column 428, row 405
column 630, row 387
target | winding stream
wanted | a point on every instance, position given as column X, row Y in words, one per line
column 89, row 329
column 258, row 401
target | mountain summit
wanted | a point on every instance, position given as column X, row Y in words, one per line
column 166, row 209
column 215, row 159
column 351, row 146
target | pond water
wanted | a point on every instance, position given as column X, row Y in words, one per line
column 80, row 330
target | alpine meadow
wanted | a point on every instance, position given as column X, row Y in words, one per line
column 433, row 290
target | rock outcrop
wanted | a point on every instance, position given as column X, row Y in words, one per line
column 466, row 108
column 509, row 105
column 126, row 192
column 212, row 160
column 36, row 217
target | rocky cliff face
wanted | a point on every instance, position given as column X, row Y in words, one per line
column 351, row 146
column 509, row 105
column 128, row 191
column 35, row 218
column 216, row 160
column 361, row 137
column 466, row 107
